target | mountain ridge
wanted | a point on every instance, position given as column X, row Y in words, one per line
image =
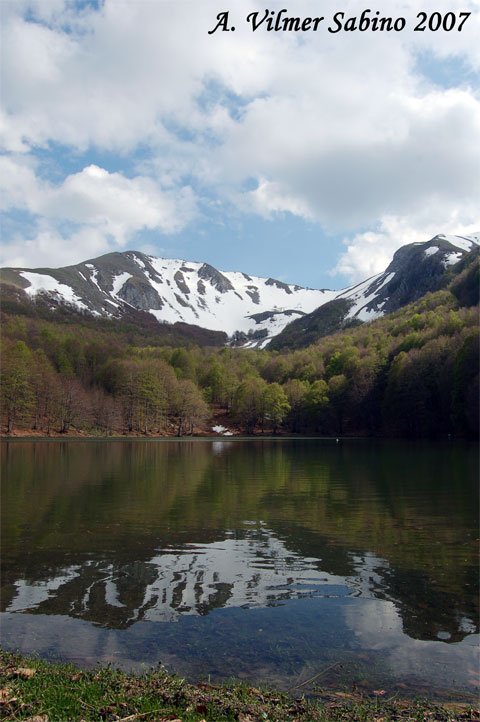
column 416, row 269
column 253, row 311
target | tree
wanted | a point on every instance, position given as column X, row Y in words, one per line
column 150, row 395
column 16, row 391
column 44, row 384
column 216, row 382
column 275, row 404
column 126, row 382
column 337, row 393
column 106, row 412
column 277, row 369
column 316, row 403
column 296, row 391
column 465, row 411
column 145, row 389
column 189, row 407
column 248, row 402
column 73, row 404
column 183, row 363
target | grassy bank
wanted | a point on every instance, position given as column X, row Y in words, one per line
column 33, row 690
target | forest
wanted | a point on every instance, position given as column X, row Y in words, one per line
column 413, row 373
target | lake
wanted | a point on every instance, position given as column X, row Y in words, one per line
column 269, row 560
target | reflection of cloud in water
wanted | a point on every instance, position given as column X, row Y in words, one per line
column 72, row 639
column 467, row 625
column 255, row 571
column 377, row 623
column 378, row 626
column 368, row 577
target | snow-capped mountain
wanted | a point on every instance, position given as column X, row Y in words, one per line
column 246, row 307
column 175, row 290
column 416, row 269
column 412, row 273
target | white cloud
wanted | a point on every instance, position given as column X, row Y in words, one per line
column 337, row 129
column 102, row 211
column 270, row 197
column 398, row 155
column 370, row 253
column 117, row 204
column 50, row 248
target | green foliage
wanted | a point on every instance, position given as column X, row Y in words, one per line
column 189, row 406
column 315, row 404
column 16, row 392
column 249, row 403
column 325, row 320
column 416, row 321
column 276, row 405
column 412, row 373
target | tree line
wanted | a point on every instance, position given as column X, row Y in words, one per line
column 411, row 374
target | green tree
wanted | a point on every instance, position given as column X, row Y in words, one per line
column 183, row 362
column 316, row 404
column 248, row 404
column 189, row 407
column 337, row 394
column 275, row 404
column 216, row 382
column 296, row 391
column 16, row 391
column 44, row 385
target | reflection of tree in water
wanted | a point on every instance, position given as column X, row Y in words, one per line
column 116, row 503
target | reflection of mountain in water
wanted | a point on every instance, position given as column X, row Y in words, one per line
column 256, row 569
column 121, row 531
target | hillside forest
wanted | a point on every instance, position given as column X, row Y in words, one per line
column 413, row 373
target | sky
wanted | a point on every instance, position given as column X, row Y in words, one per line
column 309, row 157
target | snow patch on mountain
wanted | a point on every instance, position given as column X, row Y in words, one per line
column 119, row 282
column 227, row 300
column 93, row 276
column 451, row 259
column 43, row 282
column 363, row 294
column 466, row 243
column 250, row 309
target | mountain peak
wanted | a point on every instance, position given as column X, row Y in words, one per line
column 248, row 308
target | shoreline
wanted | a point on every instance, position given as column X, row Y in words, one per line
column 35, row 690
column 234, row 435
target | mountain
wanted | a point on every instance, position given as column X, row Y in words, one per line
column 416, row 269
column 247, row 308
column 250, row 310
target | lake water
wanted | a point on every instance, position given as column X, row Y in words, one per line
column 266, row 560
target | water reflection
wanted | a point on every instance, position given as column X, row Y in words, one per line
column 254, row 570
column 328, row 550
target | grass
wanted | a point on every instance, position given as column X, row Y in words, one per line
column 37, row 691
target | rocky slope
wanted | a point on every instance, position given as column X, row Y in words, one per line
column 247, row 308
column 251, row 310
column 416, row 269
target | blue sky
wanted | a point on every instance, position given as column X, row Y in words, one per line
column 309, row 157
